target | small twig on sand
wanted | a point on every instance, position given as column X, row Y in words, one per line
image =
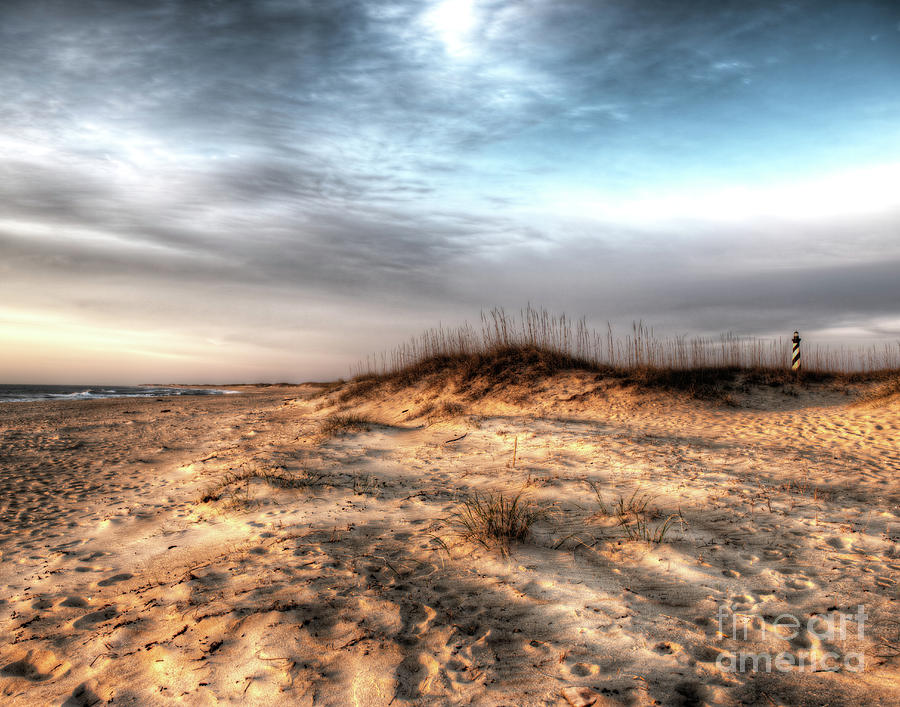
column 456, row 439
column 262, row 658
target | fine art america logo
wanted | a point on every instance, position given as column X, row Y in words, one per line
column 831, row 628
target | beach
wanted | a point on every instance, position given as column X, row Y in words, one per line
column 302, row 545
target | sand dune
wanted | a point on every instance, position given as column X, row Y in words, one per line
column 238, row 549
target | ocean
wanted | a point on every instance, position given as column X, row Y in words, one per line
column 23, row 393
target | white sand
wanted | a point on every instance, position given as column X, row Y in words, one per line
column 119, row 585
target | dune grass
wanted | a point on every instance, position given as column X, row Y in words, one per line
column 640, row 530
column 634, row 516
column 338, row 424
column 887, row 390
column 557, row 342
column 637, row 504
column 522, row 350
column 496, row 521
column 273, row 476
column 515, row 353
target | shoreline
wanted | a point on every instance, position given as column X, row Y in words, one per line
column 79, row 393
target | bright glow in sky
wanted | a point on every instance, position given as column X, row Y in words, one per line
column 271, row 190
column 453, row 21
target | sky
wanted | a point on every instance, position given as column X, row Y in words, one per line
column 266, row 190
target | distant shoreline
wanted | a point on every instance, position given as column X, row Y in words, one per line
column 71, row 393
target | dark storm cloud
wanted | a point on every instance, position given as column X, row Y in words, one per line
column 409, row 157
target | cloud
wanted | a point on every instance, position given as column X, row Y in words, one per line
column 308, row 177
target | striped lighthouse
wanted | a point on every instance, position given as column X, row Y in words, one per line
column 795, row 352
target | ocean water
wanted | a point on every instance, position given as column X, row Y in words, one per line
column 24, row 393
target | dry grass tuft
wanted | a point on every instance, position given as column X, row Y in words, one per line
column 334, row 425
column 634, row 516
column 637, row 504
column 360, row 388
column 639, row 530
column 699, row 383
column 445, row 411
column 882, row 393
column 232, row 482
column 497, row 521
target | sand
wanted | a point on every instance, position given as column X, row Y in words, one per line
column 344, row 582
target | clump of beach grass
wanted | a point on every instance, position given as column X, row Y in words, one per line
column 338, row 424
column 444, row 411
column 496, row 521
column 884, row 392
column 639, row 530
column 360, row 388
column 634, row 514
column 636, row 505
column 232, row 481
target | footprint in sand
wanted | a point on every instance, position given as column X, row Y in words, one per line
column 706, row 653
column 419, row 675
column 115, row 579
column 799, row 583
column 460, row 672
column 96, row 617
column 582, row 670
column 88, row 694
column 75, row 602
column 421, row 628
column 838, row 542
column 37, row 665
column 804, row 640
column 666, row 648
column 536, row 649
column 743, row 602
